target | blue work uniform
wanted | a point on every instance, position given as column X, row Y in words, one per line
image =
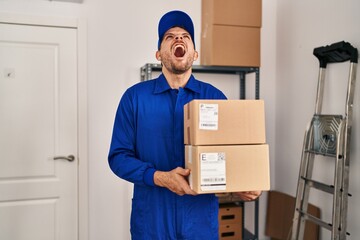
column 148, row 135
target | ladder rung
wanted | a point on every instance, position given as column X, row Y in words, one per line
column 320, row 186
column 321, row 153
column 315, row 220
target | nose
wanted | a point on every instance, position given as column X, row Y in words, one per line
column 179, row 37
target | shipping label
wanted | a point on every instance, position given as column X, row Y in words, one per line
column 208, row 116
column 212, row 171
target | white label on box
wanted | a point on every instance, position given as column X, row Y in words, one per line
column 208, row 119
column 212, row 171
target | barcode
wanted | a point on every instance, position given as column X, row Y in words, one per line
column 215, row 179
column 208, row 124
column 221, row 156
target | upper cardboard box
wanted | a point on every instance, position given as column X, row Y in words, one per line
column 232, row 12
column 223, row 122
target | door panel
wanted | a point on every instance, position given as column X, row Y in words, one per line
column 38, row 121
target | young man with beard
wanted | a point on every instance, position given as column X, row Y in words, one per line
column 147, row 145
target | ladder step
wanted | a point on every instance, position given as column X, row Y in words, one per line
column 318, row 185
column 321, row 186
column 322, row 153
column 315, row 220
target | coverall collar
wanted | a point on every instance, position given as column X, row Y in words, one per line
column 161, row 85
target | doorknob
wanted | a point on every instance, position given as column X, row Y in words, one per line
column 70, row 158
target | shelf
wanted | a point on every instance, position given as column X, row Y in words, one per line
column 148, row 68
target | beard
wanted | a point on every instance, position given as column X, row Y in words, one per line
column 177, row 67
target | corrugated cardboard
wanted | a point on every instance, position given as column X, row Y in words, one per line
column 232, row 12
column 239, row 122
column 230, row 46
column 280, row 213
column 230, row 213
column 228, row 168
column 230, row 32
column 230, row 232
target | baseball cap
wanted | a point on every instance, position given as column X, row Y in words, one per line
column 172, row 19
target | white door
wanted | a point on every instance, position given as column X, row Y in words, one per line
column 38, row 122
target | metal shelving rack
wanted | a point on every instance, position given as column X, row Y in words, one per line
column 147, row 69
column 146, row 74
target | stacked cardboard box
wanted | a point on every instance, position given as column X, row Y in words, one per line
column 230, row 222
column 225, row 147
column 230, row 32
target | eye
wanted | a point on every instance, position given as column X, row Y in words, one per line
column 169, row 37
column 187, row 36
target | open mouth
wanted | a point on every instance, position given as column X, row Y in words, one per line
column 179, row 51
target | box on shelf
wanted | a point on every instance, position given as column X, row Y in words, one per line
column 218, row 122
column 232, row 12
column 230, row 213
column 228, row 168
column 230, row 46
column 230, row 33
column 230, row 232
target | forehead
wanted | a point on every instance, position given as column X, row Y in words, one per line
column 176, row 30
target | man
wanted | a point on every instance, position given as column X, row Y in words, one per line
column 147, row 145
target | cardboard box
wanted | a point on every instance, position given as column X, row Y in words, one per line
column 218, row 122
column 279, row 216
column 228, row 168
column 230, row 213
column 231, row 12
column 230, row 232
column 230, row 46
column 230, row 32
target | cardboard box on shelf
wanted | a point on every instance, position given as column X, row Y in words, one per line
column 230, row 33
column 230, row 46
column 232, row 12
column 230, row 213
column 218, row 122
column 228, row 168
column 230, row 232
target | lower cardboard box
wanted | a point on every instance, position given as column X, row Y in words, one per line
column 225, row 45
column 228, row 168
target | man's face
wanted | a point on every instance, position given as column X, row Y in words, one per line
column 177, row 52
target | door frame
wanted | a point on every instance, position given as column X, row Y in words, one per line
column 80, row 25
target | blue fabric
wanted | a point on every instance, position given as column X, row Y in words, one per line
column 148, row 135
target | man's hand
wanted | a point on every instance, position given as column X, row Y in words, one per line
column 248, row 196
column 174, row 180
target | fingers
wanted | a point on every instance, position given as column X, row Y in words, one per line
column 182, row 171
column 174, row 180
column 249, row 195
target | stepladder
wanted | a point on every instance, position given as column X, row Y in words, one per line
column 327, row 135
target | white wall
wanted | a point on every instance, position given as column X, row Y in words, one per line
column 122, row 37
column 302, row 26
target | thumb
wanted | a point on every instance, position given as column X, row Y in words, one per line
column 183, row 172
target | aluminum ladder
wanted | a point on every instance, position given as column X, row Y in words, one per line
column 327, row 135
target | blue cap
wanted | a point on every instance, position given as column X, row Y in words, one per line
column 175, row 19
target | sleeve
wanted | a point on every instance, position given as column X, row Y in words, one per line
column 122, row 155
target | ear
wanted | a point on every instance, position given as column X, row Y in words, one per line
column 157, row 55
column 196, row 55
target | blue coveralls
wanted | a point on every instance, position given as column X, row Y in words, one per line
column 148, row 135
